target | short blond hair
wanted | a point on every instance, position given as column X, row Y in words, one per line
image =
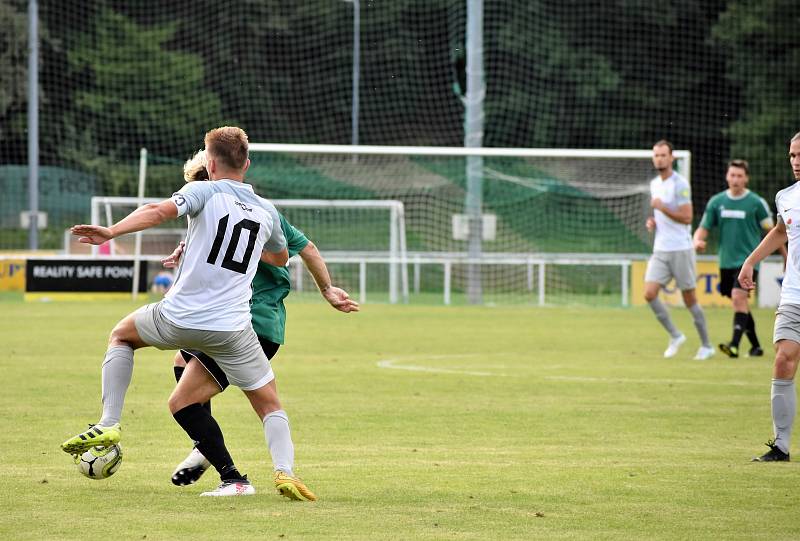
column 228, row 145
column 195, row 167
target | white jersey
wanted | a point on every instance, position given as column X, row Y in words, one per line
column 229, row 226
column 787, row 201
column 674, row 192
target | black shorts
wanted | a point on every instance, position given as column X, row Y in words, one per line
column 211, row 366
column 729, row 280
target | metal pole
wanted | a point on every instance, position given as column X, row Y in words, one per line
column 473, row 138
column 33, row 124
column 137, row 249
column 356, row 70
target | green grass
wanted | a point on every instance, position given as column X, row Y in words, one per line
column 578, row 429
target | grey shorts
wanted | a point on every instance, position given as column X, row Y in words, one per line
column 787, row 323
column 663, row 266
column 238, row 353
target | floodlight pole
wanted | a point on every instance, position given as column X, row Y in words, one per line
column 33, row 124
column 473, row 138
column 356, row 72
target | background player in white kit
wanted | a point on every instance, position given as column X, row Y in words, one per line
column 673, row 252
column 230, row 229
column 787, row 318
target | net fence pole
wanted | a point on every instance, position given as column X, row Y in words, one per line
column 473, row 138
column 33, row 124
column 137, row 250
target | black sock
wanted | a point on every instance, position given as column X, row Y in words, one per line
column 178, row 373
column 203, row 428
column 751, row 331
column 739, row 326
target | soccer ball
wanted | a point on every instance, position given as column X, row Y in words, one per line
column 99, row 462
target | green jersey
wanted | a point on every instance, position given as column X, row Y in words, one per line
column 270, row 286
column 741, row 221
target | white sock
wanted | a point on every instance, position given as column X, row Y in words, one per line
column 784, row 406
column 279, row 440
column 117, row 374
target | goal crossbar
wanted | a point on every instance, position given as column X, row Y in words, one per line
column 398, row 258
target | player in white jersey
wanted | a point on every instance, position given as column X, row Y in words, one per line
column 787, row 319
column 230, row 229
column 673, row 253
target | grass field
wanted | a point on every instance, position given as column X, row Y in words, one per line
column 412, row 423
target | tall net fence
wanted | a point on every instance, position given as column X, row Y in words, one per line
column 714, row 77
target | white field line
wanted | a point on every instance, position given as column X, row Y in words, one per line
column 395, row 364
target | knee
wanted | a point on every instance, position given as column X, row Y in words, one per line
column 785, row 365
column 650, row 295
column 119, row 335
column 174, row 404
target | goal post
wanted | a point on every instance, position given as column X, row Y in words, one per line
column 380, row 224
column 575, row 210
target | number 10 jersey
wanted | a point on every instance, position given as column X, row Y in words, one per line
column 229, row 226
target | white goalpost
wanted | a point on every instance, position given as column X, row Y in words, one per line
column 556, row 225
column 386, row 218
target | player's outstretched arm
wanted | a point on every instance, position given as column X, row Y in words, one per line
column 699, row 239
column 144, row 217
column 173, row 259
column 276, row 259
column 336, row 297
column 773, row 241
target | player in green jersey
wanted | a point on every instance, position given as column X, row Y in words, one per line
column 271, row 285
column 742, row 217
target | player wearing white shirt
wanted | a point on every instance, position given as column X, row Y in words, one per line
column 230, row 229
column 787, row 318
column 673, row 254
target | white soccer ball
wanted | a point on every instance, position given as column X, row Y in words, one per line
column 99, row 462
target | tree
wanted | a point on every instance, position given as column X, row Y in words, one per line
column 136, row 92
column 13, row 74
column 761, row 41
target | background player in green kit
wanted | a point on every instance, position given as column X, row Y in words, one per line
column 742, row 217
column 270, row 287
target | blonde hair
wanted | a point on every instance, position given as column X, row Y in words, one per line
column 228, row 145
column 195, row 167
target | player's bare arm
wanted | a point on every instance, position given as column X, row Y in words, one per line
column 144, row 217
column 277, row 259
column 173, row 259
column 683, row 214
column 699, row 239
column 336, row 297
column 774, row 240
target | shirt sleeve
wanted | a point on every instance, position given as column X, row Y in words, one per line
column 709, row 220
column 764, row 214
column 276, row 242
column 683, row 193
column 192, row 197
column 295, row 239
column 778, row 216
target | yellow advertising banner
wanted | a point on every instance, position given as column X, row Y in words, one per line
column 707, row 289
column 12, row 275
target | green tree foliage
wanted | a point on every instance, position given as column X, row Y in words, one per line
column 114, row 113
column 13, row 74
column 760, row 39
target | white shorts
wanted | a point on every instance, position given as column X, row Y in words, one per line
column 787, row 323
column 238, row 353
column 664, row 266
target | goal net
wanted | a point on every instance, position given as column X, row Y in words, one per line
column 350, row 234
column 558, row 225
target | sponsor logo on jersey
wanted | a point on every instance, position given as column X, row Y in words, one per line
column 179, row 199
column 243, row 206
column 729, row 213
